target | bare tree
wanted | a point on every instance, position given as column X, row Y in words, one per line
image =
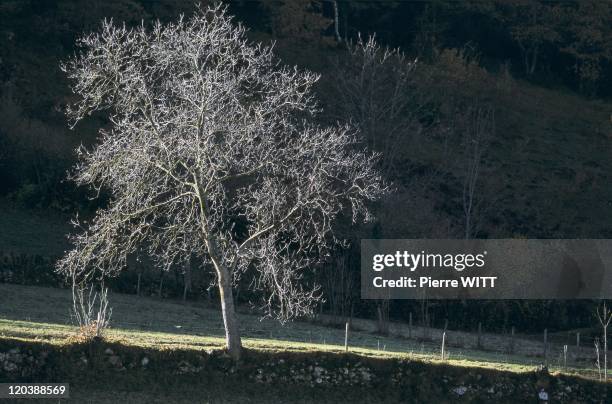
column 375, row 88
column 597, row 356
column 90, row 309
column 340, row 286
column 604, row 316
column 477, row 134
column 336, row 21
column 212, row 154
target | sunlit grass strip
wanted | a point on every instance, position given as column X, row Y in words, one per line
column 58, row 334
column 37, row 313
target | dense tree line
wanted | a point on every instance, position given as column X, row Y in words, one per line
column 428, row 102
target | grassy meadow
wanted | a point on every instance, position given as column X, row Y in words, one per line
column 30, row 312
column 40, row 317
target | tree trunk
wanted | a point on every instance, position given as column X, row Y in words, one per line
column 186, row 279
column 232, row 332
column 605, row 335
column 161, row 284
column 382, row 311
column 534, row 62
column 230, row 320
column 606, row 352
column 336, row 22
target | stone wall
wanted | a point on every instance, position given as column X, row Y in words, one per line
column 40, row 362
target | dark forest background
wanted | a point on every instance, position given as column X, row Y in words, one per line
column 494, row 120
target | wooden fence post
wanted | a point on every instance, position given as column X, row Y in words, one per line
column 346, row 337
column 443, row 342
column 546, row 346
column 410, row 325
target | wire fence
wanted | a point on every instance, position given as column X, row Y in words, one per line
column 562, row 351
column 424, row 342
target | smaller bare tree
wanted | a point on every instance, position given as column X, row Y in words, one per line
column 477, row 133
column 597, row 362
column 340, row 282
column 90, row 309
column 375, row 88
column 604, row 316
column 336, row 22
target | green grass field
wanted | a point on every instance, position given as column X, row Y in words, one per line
column 44, row 313
column 38, row 316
